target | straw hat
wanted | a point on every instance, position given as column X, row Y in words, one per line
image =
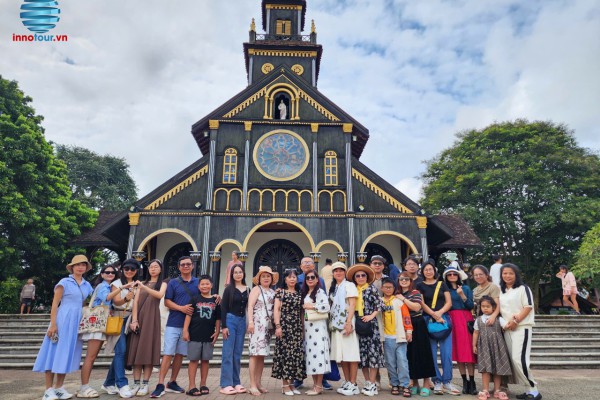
column 360, row 267
column 265, row 270
column 454, row 268
column 79, row 258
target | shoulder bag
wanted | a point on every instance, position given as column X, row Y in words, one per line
column 438, row 330
column 93, row 319
column 270, row 324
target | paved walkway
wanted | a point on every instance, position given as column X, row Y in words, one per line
column 577, row 384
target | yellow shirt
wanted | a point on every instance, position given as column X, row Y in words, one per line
column 389, row 319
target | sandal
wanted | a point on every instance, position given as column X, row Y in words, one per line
column 483, row 395
column 500, row 395
column 406, row 392
column 204, row 390
column 263, row 390
column 254, row 391
column 315, row 391
column 240, row 389
column 424, row 392
column 414, row 390
column 228, row 390
column 193, row 392
column 395, row 390
column 88, row 393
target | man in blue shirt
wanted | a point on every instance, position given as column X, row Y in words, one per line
column 178, row 299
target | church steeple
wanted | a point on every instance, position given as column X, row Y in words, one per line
column 282, row 42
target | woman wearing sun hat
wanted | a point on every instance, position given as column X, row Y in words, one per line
column 344, row 340
column 461, row 315
column 61, row 349
column 368, row 305
column 260, row 325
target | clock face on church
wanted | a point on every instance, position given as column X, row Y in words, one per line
column 281, row 155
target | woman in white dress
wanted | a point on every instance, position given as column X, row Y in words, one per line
column 316, row 335
column 260, row 325
column 344, row 340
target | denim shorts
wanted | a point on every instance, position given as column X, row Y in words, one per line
column 174, row 343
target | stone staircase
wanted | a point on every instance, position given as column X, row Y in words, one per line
column 558, row 342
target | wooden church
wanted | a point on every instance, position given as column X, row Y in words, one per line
column 280, row 177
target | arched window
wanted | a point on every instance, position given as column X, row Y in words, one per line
column 331, row 169
column 230, row 166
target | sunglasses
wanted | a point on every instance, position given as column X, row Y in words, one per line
column 451, row 274
column 127, row 269
column 360, row 275
column 377, row 263
column 311, row 277
column 403, row 279
column 109, row 272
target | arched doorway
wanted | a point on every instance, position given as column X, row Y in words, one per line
column 170, row 263
column 374, row 249
column 279, row 254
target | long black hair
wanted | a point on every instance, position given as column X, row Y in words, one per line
column 159, row 281
column 99, row 278
column 229, row 289
column 305, row 287
column 518, row 278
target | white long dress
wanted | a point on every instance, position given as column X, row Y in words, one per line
column 316, row 338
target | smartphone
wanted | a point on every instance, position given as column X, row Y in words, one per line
column 54, row 338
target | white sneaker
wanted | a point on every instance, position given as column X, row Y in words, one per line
column 350, row 390
column 125, row 392
column 62, row 393
column 143, row 390
column 438, row 388
column 451, row 389
column 370, row 389
column 110, row 389
column 134, row 389
column 341, row 388
column 128, row 371
column 49, row 394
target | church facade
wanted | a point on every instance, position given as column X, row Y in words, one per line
column 280, row 176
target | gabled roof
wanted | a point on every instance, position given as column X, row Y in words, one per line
column 451, row 232
column 252, row 91
column 385, row 186
column 95, row 236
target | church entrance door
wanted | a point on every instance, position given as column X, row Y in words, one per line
column 279, row 254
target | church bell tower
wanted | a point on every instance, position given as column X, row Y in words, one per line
column 283, row 42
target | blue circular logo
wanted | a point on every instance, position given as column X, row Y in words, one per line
column 40, row 16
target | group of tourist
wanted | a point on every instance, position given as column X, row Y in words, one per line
column 360, row 319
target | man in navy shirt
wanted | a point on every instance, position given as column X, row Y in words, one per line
column 307, row 265
column 178, row 299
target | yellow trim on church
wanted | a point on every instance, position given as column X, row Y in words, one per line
column 177, row 188
column 380, row 192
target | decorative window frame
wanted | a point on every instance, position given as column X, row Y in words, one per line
column 330, row 168
column 230, row 160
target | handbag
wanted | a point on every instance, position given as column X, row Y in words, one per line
column 114, row 325
column 362, row 328
column 270, row 324
column 314, row 315
column 471, row 326
column 93, row 319
column 438, row 330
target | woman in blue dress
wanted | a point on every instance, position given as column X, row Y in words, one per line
column 60, row 353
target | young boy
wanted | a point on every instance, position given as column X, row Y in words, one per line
column 397, row 332
column 201, row 330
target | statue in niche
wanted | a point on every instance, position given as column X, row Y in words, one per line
column 282, row 110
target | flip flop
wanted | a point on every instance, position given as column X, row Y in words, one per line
column 204, row 390
column 193, row 392
column 425, row 392
column 228, row 390
column 240, row 389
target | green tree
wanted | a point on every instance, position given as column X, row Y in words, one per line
column 37, row 213
column 526, row 188
column 100, row 182
column 587, row 263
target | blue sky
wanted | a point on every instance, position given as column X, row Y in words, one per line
column 134, row 76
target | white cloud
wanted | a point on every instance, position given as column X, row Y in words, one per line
column 134, row 76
